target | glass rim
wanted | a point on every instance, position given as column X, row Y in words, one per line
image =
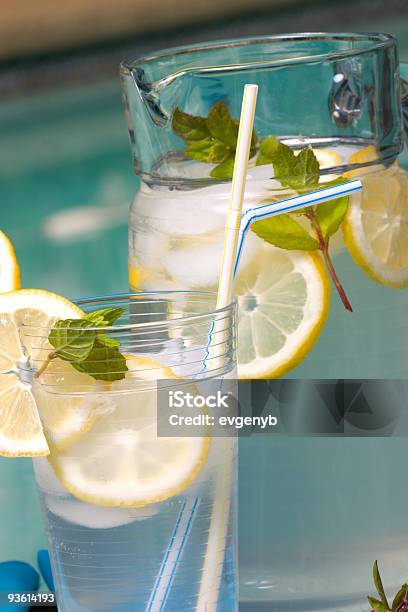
column 103, row 300
column 375, row 41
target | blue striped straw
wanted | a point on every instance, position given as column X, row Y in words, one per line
column 272, row 209
column 290, row 205
column 178, row 540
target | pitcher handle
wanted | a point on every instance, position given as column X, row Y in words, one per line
column 404, row 94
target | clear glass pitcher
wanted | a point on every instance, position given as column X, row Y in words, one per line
column 321, row 295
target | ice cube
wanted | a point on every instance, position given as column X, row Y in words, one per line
column 198, row 264
column 196, row 211
column 181, row 213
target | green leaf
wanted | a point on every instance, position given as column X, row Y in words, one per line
column 284, row 232
column 207, row 150
column 379, row 585
column 211, row 139
column 399, row 597
column 107, row 340
column 262, row 160
column 72, row 339
column 188, row 126
column 330, row 215
column 224, row 170
column 105, row 316
column 270, row 150
column 103, row 363
column 306, row 170
column 377, row 605
column 221, row 125
column 87, row 349
column 282, row 157
column 298, row 172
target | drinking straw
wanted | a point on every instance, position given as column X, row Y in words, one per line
column 290, row 205
column 166, row 574
column 217, row 533
column 213, row 564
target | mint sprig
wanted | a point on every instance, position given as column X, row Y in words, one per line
column 87, row 349
column 400, row 601
column 301, row 173
column 212, row 139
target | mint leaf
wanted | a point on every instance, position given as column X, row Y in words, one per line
column 87, row 349
column 189, row 127
column 399, row 597
column 208, row 150
column 103, row 363
column 211, row 139
column 305, row 171
column 297, row 172
column 330, row 215
column 72, row 339
column 221, row 125
column 379, row 585
column 105, row 317
column 270, row 149
column 377, row 605
column 225, row 169
column 284, row 232
column 107, row 341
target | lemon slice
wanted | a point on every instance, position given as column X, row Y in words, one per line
column 376, row 226
column 327, row 158
column 9, row 270
column 21, row 432
column 283, row 299
column 69, row 402
column 121, row 461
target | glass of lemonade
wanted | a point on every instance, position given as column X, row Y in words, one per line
column 321, row 295
column 130, row 515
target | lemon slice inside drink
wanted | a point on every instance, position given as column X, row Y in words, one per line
column 69, row 403
column 21, row 431
column 376, row 225
column 283, row 299
column 121, row 461
column 9, row 270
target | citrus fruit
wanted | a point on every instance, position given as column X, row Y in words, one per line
column 376, row 225
column 283, row 302
column 21, row 432
column 69, row 402
column 121, row 461
column 327, row 158
column 9, row 270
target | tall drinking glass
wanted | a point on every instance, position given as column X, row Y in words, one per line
column 131, row 515
column 323, row 295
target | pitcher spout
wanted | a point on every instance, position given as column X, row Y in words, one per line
column 149, row 97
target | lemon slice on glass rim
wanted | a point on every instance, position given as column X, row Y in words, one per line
column 21, row 430
column 25, row 318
